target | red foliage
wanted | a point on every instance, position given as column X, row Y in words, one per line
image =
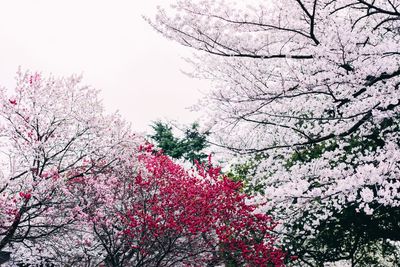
column 196, row 218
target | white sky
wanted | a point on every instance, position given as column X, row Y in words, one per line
column 137, row 70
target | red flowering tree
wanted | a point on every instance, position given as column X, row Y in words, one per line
column 168, row 216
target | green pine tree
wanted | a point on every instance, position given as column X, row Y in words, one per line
column 190, row 147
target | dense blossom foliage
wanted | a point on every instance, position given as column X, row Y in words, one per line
column 153, row 212
column 311, row 89
column 78, row 190
column 195, row 218
column 52, row 131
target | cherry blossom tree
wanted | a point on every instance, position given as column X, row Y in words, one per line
column 53, row 131
column 311, row 89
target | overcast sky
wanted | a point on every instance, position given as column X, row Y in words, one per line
column 136, row 69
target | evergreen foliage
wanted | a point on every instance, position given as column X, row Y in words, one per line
column 190, row 147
